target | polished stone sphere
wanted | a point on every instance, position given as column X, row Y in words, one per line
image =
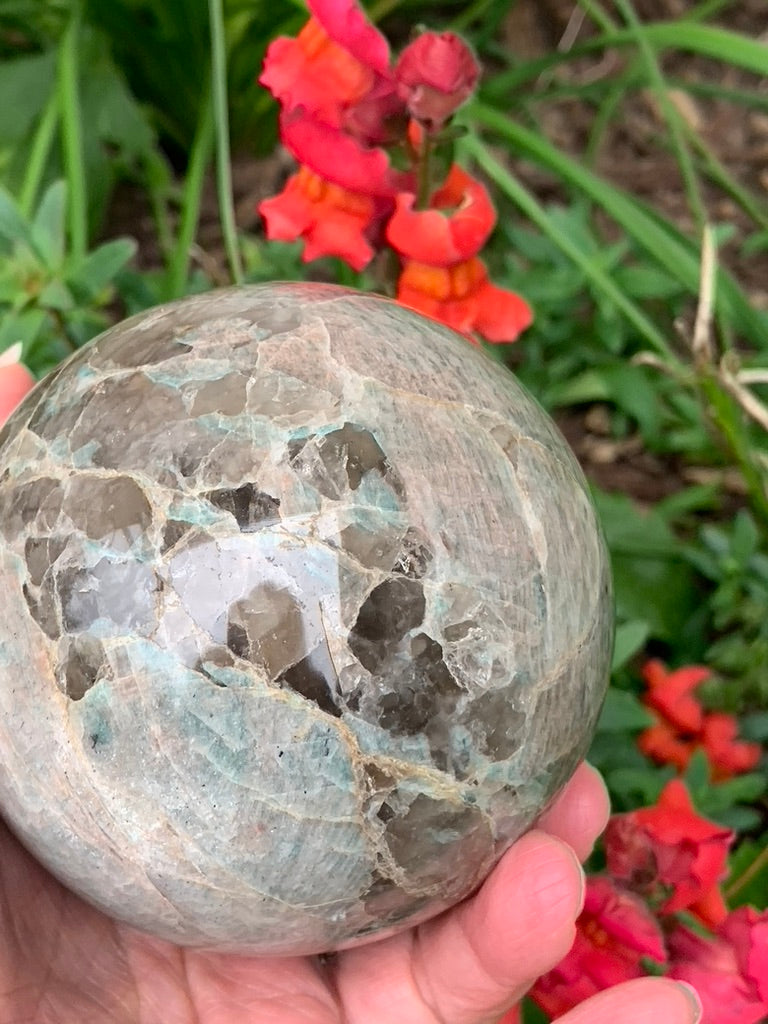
column 305, row 618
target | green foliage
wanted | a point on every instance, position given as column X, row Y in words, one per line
column 49, row 297
column 119, row 141
column 748, row 884
column 733, row 559
column 164, row 52
column 654, row 584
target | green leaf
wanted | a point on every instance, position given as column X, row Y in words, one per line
column 13, row 226
column 23, row 327
column 56, row 295
column 588, row 386
column 48, row 225
column 25, row 84
column 697, row 776
column 99, row 267
column 755, row 726
column 707, row 40
column 743, row 789
column 745, row 538
column 748, row 881
column 623, row 712
column 739, row 819
column 638, row 787
column 630, row 638
column 653, row 580
column 533, row 1014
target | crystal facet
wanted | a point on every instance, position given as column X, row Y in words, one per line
column 306, row 616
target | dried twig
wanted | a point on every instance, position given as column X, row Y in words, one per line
column 702, row 344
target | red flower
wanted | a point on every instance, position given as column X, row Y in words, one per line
column 613, row 932
column 331, row 220
column 314, row 72
column 337, row 72
column 435, row 74
column 727, row 755
column 669, row 693
column 462, row 297
column 347, row 25
column 729, row 971
column 682, row 726
column 665, row 745
column 15, row 381
column 669, row 853
column 338, row 157
column 455, row 227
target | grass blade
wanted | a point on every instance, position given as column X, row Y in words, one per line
column 72, row 134
column 539, row 216
column 221, row 121
column 668, row 248
column 705, row 40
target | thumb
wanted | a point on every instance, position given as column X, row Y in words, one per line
column 15, row 381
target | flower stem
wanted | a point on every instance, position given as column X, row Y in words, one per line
column 193, row 190
column 39, row 153
column 221, row 122
column 72, row 133
column 424, row 173
column 757, row 865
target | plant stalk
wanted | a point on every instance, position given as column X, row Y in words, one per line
column 191, row 198
column 39, row 153
column 72, row 133
column 221, row 122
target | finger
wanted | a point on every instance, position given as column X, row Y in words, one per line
column 472, row 962
column 580, row 812
column 15, row 382
column 643, row 1001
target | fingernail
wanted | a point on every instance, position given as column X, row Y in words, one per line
column 582, row 880
column 11, row 355
column 693, row 998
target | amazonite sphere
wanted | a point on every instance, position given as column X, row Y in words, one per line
column 305, row 618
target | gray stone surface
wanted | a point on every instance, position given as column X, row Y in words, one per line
column 306, row 616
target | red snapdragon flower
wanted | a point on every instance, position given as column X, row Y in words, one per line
column 337, row 61
column 670, row 854
column 682, row 726
column 435, row 74
column 613, row 932
column 339, row 157
column 727, row 755
column 730, row 970
column 15, row 381
column 332, row 221
column 671, row 693
column 454, row 228
column 462, row 297
column 342, row 106
column 442, row 275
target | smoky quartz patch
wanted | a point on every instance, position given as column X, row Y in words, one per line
column 252, row 508
column 391, row 610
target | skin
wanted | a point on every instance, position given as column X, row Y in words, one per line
column 62, row 962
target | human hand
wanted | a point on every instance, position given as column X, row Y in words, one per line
column 15, row 381
column 62, row 962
